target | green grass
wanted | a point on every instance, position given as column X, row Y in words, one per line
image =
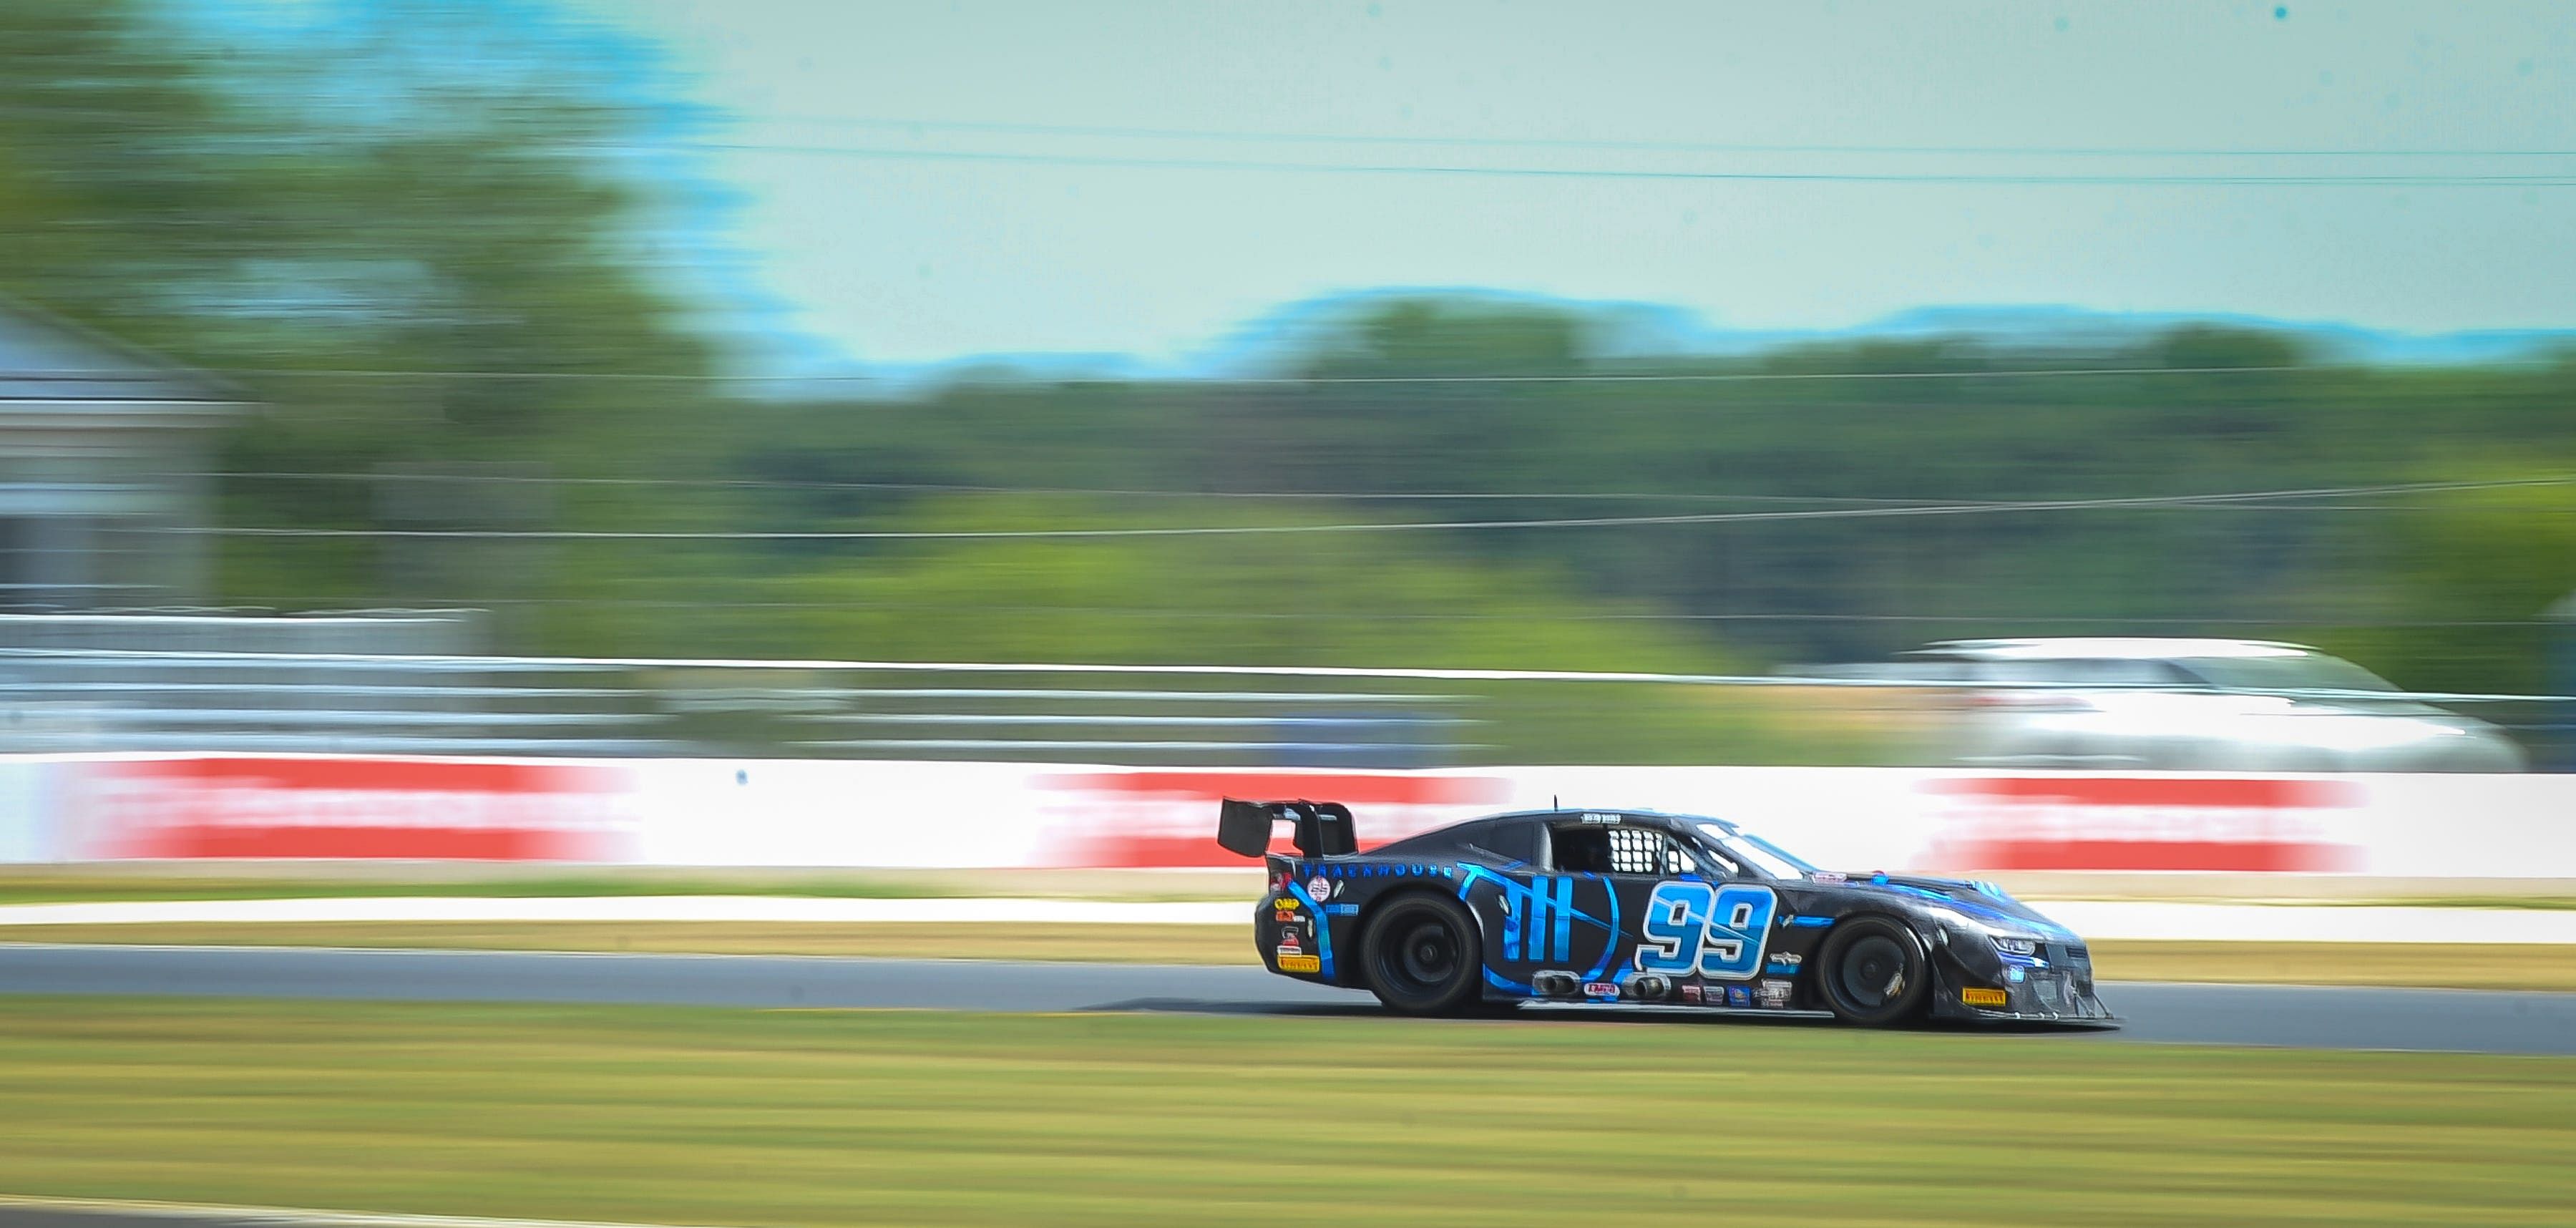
column 739, row 1117
column 2442, row 965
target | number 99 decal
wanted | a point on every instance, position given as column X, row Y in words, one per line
column 1712, row 930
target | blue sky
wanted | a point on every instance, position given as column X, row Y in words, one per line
column 920, row 182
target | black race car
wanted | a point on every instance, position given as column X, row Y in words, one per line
column 1622, row 906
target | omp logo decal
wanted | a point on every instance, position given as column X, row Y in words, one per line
column 2187, row 823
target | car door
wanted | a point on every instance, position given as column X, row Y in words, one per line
column 1553, row 909
column 1700, row 921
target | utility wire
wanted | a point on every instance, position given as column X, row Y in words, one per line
column 536, row 664
column 271, row 603
column 1120, row 132
column 1948, row 509
column 904, row 124
column 2017, row 179
column 1353, row 496
column 1360, row 496
column 1590, row 377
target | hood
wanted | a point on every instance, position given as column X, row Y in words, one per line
column 1981, row 902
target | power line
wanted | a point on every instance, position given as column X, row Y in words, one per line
column 1949, row 509
column 537, row 664
column 1480, row 142
column 1343, row 496
column 1440, row 140
column 1379, row 616
column 1586, row 377
column 1965, row 178
column 1356, row 496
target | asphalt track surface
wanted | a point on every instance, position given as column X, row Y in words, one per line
column 2285, row 1016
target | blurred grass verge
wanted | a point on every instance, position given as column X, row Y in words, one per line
column 349, row 880
column 74, row 882
column 738, row 1117
column 2432, row 965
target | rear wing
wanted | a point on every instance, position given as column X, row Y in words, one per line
column 1323, row 828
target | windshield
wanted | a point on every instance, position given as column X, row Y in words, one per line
column 1757, row 854
column 2287, row 672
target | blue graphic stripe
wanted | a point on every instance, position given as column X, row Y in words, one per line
column 1610, row 944
column 1564, row 905
column 1980, row 911
column 1323, row 930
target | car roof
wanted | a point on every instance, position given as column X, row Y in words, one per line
column 2124, row 648
column 1647, row 818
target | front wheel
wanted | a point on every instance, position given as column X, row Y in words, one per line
column 1422, row 956
column 1875, row 972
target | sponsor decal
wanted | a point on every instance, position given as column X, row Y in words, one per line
column 1319, row 887
column 2014, row 975
column 1831, row 876
column 2176, row 823
column 1159, row 817
column 1984, row 997
column 322, row 807
column 1737, row 995
column 1773, row 994
column 1690, row 993
column 1300, row 963
column 1601, row 818
column 1788, row 958
column 1600, row 989
column 1343, row 910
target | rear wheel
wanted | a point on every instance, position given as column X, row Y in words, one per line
column 1874, row 972
column 1422, row 955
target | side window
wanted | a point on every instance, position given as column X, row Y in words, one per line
column 1511, row 841
column 1601, row 849
column 1580, row 850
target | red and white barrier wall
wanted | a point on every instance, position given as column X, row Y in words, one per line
column 893, row 814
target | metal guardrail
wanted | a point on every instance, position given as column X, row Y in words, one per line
column 62, row 700
column 399, row 684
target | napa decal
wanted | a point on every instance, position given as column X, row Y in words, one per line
column 1710, row 929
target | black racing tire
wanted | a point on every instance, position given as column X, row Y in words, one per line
column 1423, row 956
column 1873, row 971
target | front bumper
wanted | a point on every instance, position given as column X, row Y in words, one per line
column 2058, row 991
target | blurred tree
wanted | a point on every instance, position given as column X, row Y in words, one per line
column 437, row 195
column 1805, row 590
column 1254, row 599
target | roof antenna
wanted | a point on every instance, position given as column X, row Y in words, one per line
column 1554, row 802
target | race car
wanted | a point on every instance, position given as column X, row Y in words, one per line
column 1642, row 908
